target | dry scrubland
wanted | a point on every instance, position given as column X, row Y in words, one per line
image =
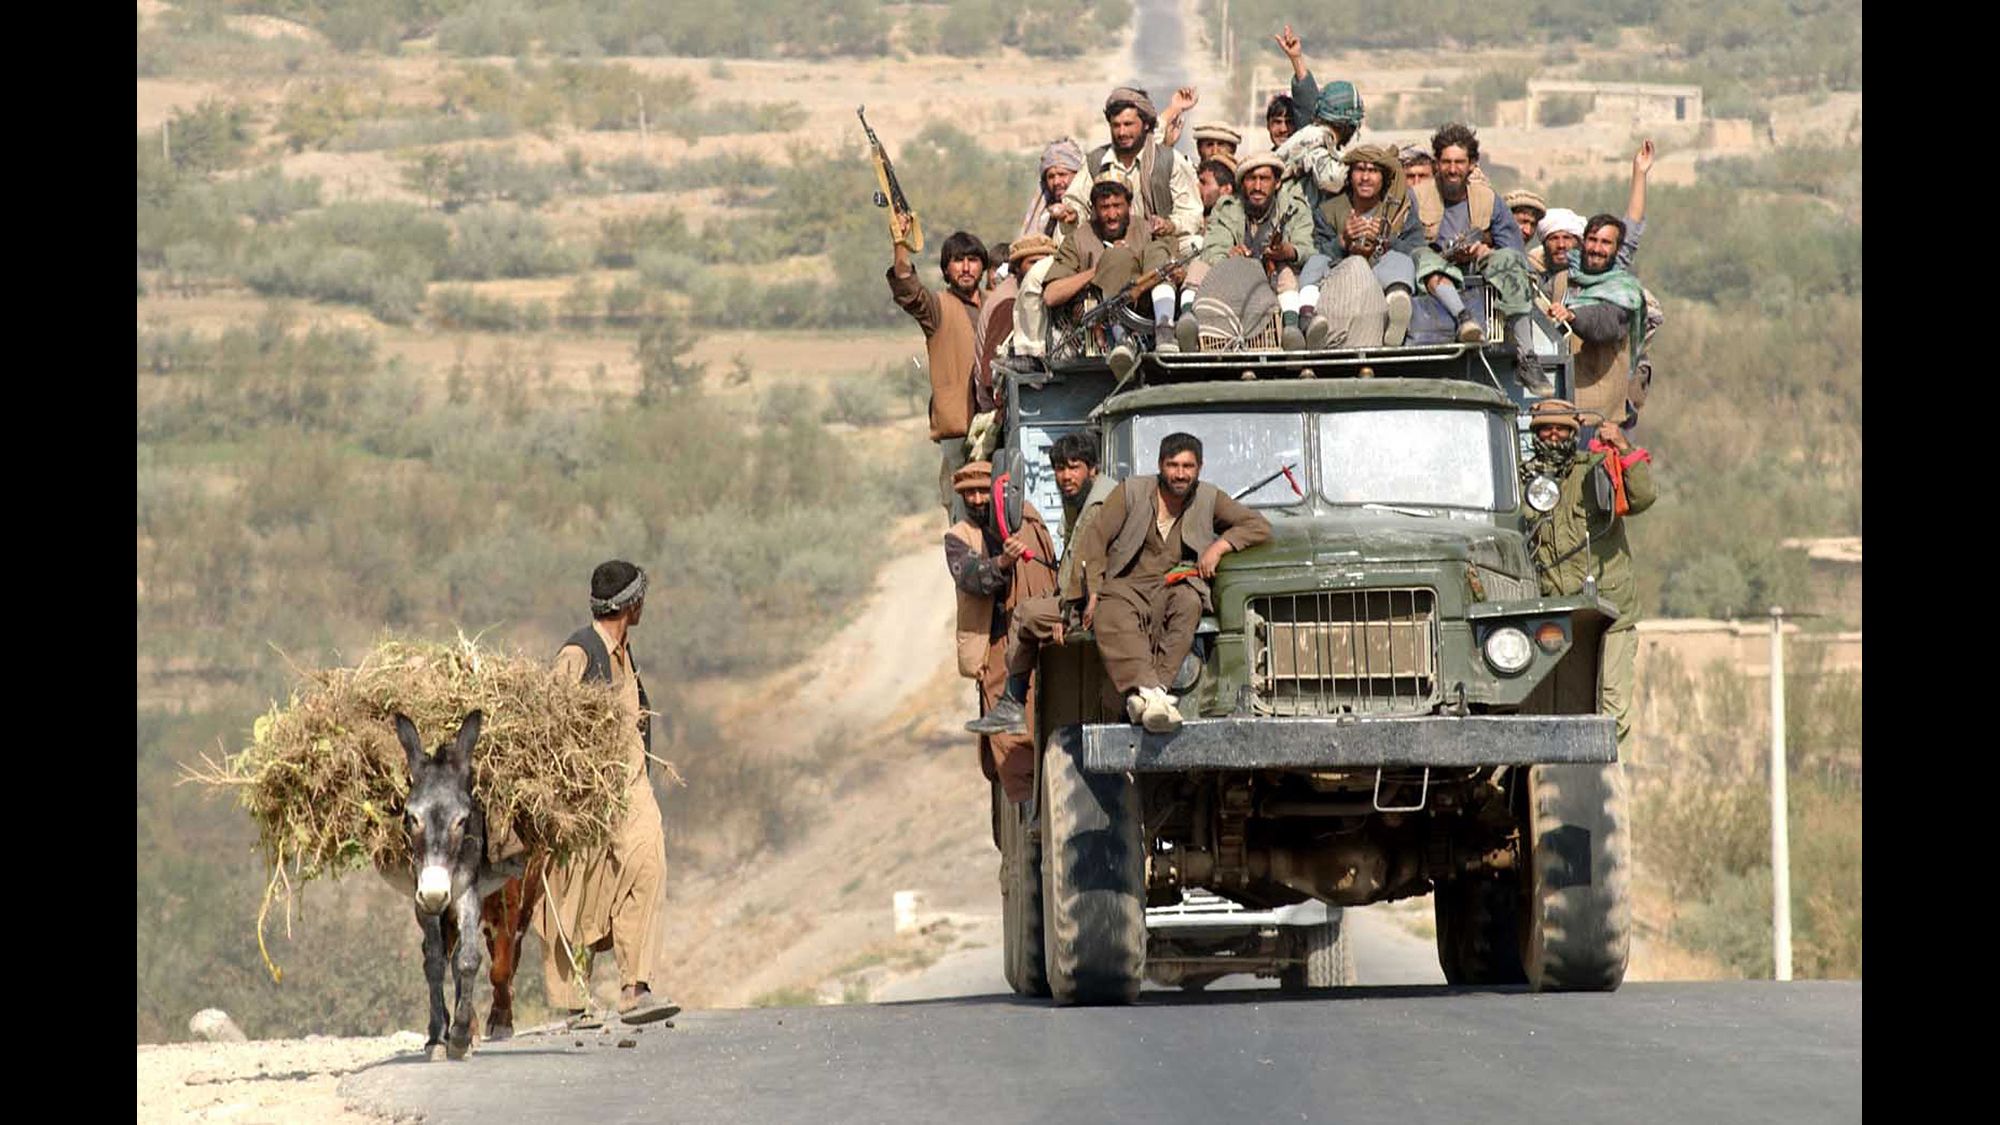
column 427, row 326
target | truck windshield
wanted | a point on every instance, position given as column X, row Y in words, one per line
column 1237, row 450
column 1446, row 458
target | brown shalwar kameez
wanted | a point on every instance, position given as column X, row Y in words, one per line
column 611, row 898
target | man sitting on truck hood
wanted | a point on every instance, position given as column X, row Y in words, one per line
column 1039, row 621
column 994, row 575
column 1146, row 561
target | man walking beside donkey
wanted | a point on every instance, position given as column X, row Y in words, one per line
column 611, row 899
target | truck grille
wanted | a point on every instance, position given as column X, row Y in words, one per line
column 1351, row 652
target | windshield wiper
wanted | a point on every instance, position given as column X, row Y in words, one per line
column 1283, row 471
column 1424, row 513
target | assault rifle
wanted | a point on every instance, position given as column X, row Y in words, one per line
column 1257, row 245
column 1117, row 302
column 1458, row 248
column 890, row 193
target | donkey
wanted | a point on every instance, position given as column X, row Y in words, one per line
column 447, row 832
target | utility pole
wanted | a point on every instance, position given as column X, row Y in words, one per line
column 1781, row 858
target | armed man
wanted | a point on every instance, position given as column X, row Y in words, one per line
column 1146, row 564
column 1164, row 201
column 1603, row 305
column 994, row 575
column 1110, row 252
column 611, row 899
column 1370, row 232
column 1272, row 231
column 1039, row 621
column 1582, row 537
column 949, row 319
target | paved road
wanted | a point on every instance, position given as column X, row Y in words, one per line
column 1752, row 1052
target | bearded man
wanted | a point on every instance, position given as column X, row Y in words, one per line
column 1107, row 254
column 1582, row 538
column 1467, row 228
column 1061, row 161
column 949, row 319
column 1164, row 199
column 1370, row 232
column 1605, row 309
column 1270, row 229
column 993, row 577
column 1146, row 564
column 1045, row 620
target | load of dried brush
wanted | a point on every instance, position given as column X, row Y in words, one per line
column 325, row 779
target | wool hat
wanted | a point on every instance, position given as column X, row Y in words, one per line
column 1339, row 104
column 976, row 476
column 1109, row 181
column 1261, row 160
column 1522, row 197
column 1553, row 411
column 1033, row 246
column 1215, row 132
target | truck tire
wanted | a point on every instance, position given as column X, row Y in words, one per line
column 1093, row 878
column 1576, row 919
column 1021, row 901
column 1329, row 958
column 1478, row 930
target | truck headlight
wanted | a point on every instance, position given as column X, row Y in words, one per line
column 1508, row 649
column 1543, row 492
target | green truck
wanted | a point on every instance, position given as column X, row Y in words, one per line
column 1381, row 706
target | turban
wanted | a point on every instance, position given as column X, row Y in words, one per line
column 1413, row 152
column 1522, row 197
column 976, row 476
column 1137, row 98
column 1562, row 220
column 1064, row 153
column 1383, row 156
column 1339, row 104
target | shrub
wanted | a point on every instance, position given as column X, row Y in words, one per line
column 461, row 308
column 858, row 402
column 668, row 269
column 487, row 27
column 492, row 242
column 210, row 137
column 268, row 197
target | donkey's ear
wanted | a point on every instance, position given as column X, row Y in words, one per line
column 413, row 744
column 460, row 751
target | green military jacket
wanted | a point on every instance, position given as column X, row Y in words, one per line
column 1558, row 539
column 1229, row 225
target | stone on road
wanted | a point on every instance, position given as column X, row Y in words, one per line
column 1735, row 1051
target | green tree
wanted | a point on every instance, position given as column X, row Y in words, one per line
column 664, row 345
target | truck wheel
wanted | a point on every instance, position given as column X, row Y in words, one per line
column 1328, row 955
column 1093, row 879
column 1478, row 930
column 1020, row 900
column 1577, row 914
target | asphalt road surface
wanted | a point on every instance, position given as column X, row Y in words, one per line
column 1739, row 1051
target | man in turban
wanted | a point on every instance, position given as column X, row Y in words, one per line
column 1061, row 161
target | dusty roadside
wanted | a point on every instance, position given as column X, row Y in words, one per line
column 263, row 1082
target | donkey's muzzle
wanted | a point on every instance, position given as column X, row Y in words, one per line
column 433, row 889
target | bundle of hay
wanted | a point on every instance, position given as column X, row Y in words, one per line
column 325, row 778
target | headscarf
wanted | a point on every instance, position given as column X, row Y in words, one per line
column 1551, row 457
column 1141, row 101
column 1339, row 103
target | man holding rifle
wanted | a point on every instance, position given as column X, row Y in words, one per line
column 950, row 320
column 1109, row 253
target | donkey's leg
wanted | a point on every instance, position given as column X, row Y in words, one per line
column 498, row 915
column 434, row 958
column 465, row 969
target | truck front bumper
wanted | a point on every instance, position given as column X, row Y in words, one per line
column 1351, row 742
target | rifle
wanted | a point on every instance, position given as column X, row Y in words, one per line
column 1118, row 302
column 1257, row 246
column 1458, row 247
column 890, row 193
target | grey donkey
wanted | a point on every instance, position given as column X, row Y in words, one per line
column 448, row 855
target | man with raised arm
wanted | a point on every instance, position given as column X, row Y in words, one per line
column 949, row 319
column 1164, row 200
column 1146, row 562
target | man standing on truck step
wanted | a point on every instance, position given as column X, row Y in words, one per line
column 1604, row 306
column 1468, row 227
column 949, row 319
column 1044, row 620
column 611, row 898
column 1583, row 536
column 994, row 576
column 1146, row 561
column 1166, row 205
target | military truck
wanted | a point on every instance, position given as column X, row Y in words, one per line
column 1382, row 704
